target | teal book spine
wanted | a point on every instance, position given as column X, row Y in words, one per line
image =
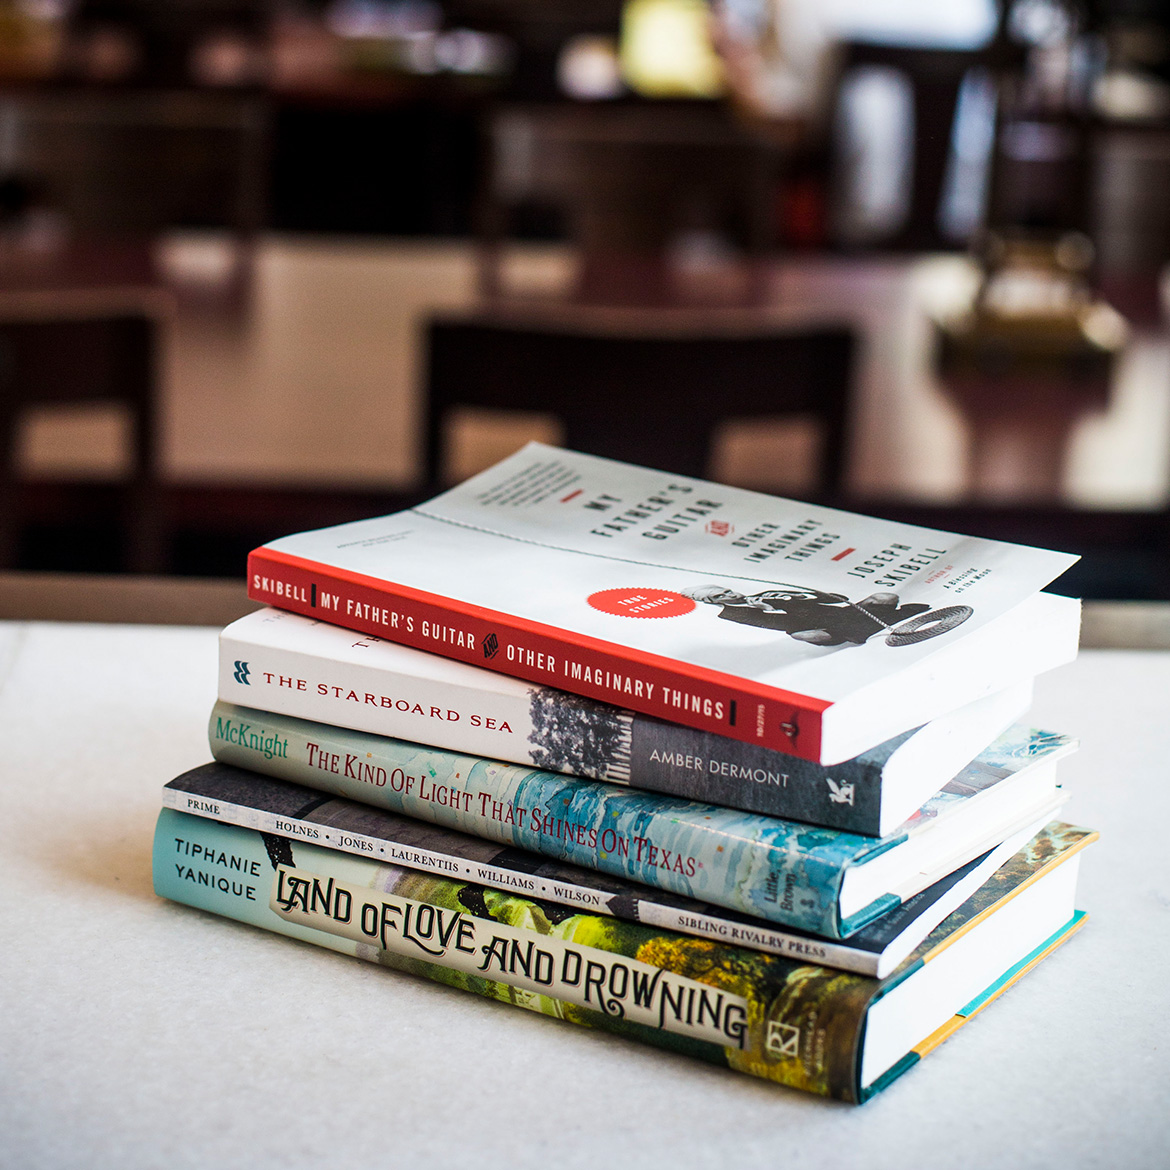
column 782, row 871
column 769, row 1016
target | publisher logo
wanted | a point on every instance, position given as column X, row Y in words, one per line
column 720, row 528
column 840, row 793
column 491, row 646
column 641, row 603
column 782, row 1040
column 240, row 674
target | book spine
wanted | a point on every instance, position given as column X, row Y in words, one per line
column 649, row 684
column 782, row 871
column 577, row 890
column 759, row 1014
column 553, row 730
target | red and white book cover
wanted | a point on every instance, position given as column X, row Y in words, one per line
column 802, row 628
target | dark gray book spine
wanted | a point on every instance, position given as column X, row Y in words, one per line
column 586, row 738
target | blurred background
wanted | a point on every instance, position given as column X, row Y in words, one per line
column 275, row 264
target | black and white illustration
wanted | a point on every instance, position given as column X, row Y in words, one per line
column 831, row 619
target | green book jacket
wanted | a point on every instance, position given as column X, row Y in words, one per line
column 761, row 1014
column 779, row 870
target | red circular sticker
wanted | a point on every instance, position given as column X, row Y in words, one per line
column 641, row 603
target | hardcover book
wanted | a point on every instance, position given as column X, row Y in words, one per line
column 797, row 628
column 279, row 661
column 824, row 881
column 814, row 1028
column 238, row 797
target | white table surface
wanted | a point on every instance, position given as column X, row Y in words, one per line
column 137, row 1033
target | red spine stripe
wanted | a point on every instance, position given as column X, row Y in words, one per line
column 695, row 695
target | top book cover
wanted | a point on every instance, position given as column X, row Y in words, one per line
column 801, row 628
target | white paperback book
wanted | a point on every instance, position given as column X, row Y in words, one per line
column 795, row 627
column 273, row 660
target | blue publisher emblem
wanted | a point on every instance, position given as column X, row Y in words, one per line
column 241, row 674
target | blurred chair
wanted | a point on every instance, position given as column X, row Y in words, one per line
column 1129, row 217
column 627, row 182
column 915, row 127
column 126, row 162
column 83, row 348
column 643, row 393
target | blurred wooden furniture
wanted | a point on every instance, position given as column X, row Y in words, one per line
column 61, row 345
column 634, row 387
column 1129, row 216
column 627, row 181
column 132, row 162
column 935, row 79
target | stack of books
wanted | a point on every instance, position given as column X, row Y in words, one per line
column 737, row 776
